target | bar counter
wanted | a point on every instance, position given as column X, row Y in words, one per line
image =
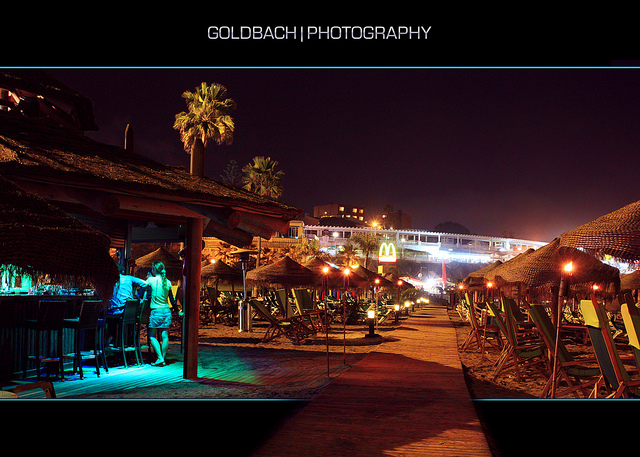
column 15, row 309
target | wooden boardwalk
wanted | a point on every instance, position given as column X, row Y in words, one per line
column 408, row 397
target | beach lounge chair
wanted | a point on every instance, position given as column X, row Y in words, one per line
column 215, row 309
column 481, row 330
column 292, row 328
column 306, row 308
column 615, row 377
column 579, row 375
column 522, row 350
column 631, row 319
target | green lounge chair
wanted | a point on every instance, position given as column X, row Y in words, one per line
column 522, row 349
column 481, row 332
column 615, row 377
column 307, row 310
column 292, row 328
column 577, row 374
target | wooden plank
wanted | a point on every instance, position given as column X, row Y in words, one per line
column 408, row 397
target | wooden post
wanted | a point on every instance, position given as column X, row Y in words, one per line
column 192, row 305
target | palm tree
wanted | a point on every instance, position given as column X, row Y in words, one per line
column 207, row 116
column 348, row 255
column 262, row 178
column 367, row 242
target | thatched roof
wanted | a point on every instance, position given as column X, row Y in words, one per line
column 172, row 264
column 616, row 234
column 220, row 271
column 67, row 167
column 30, row 83
column 285, row 271
column 543, row 268
column 334, row 275
column 38, row 238
column 478, row 277
column 52, row 155
column 370, row 276
column 630, row 281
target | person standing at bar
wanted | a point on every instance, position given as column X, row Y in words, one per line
column 160, row 317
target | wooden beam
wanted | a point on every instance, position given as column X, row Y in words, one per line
column 233, row 236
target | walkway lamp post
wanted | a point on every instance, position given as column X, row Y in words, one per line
column 325, row 271
column 344, row 315
column 377, row 287
column 397, row 311
column 371, row 316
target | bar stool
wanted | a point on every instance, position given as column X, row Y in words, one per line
column 86, row 321
column 127, row 334
column 50, row 319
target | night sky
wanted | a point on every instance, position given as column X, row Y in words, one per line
column 527, row 128
column 532, row 151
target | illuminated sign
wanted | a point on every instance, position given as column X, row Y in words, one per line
column 387, row 253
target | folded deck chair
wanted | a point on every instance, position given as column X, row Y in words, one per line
column 579, row 375
column 292, row 328
column 481, row 331
column 614, row 375
column 522, row 350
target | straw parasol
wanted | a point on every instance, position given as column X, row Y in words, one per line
column 221, row 272
column 333, row 275
column 38, row 238
column 477, row 278
column 542, row 268
column 616, row 234
column 370, row 276
column 172, row 264
column 285, row 272
column 630, row 281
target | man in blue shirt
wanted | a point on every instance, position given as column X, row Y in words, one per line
column 122, row 292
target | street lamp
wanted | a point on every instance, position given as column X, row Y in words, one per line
column 371, row 315
column 396, row 308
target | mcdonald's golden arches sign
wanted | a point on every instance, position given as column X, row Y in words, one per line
column 387, row 253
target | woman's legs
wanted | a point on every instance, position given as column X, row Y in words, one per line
column 156, row 345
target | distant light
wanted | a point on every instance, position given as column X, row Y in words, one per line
column 396, row 307
column 489, row 284
column 325, row 270
column 568, row 267
column 371, row 314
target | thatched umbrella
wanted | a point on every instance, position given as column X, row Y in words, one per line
column 630, row 281
column 285, row 272
column 172, row 264
column 333, row 274
column 38, row 238
column 220, row 272
column 478, row 278
column 542, row 268
column 371, row 276
column 616, row 234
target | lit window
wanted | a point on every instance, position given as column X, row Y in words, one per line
column 341, row 209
